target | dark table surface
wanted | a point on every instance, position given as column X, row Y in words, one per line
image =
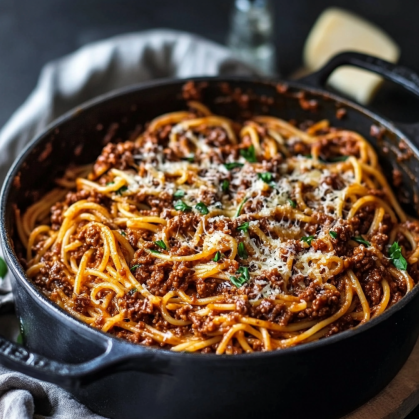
column 35, row 32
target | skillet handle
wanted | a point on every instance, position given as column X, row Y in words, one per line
column 402, row 76
column 393, row 72
column 117, row 356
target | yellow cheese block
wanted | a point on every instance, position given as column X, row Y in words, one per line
column 337, row 30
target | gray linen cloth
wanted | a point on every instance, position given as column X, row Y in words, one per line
column 63, row 84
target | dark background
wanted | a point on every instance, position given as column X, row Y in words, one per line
column 33, row 32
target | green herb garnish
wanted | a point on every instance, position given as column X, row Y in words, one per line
column 179, row 194
column 233, row 165
column 154, row 251
column 242, row 250
column 249, row 154
column 307, row 239
column 395, row 253
column 359, row 239
column 333, row 234
column 122, row 232
column 161, row 244
column 239, row 210
column 134, row 267
column 337, row 159
column 225, row 185
column 189, row 158
column 243, row 277
column 217, row 257
column 121, row 190
column 202, row 208
column 266, row 177
column 3, row 268
column 244, row 227
column 132, row 291
column 181, row 206
column 292, row 203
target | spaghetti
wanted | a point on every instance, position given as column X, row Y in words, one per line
column 209, row 235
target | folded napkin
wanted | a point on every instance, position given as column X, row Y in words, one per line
column 63, row 84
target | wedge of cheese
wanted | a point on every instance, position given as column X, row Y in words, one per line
column 337, row 30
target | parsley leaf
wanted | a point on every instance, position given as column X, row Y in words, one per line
column 217, row 257
column 307, row 239
column 225, row 185
column 161, row 244
column 179, row 193
column 189, row 158
column 266, row 177
column 202, row 208
column 123, row 233
column 242, row 251
column 134, row 267
column 181, row 206
column 395, row 253
column 3, row 268
column 233, row 165
column 244, row 227
column 292, row 203
column 121, row 190
column 333, row 234
column 239, row 209
column 249, row 154
column 337, row 159
column 132, row 291
column 243, row 271
column 359, row 239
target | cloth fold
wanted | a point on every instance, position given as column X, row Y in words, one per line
column 93, row 70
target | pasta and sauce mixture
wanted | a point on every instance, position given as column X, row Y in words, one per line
column 214, row 236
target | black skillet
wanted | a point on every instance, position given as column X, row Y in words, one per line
column 324, row 379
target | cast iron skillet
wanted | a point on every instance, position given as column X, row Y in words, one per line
column 117, row 379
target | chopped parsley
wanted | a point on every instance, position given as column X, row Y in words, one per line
column 292, row 203
column 307, row 239
column 134, row 267
column 181, row 206
column 249, row 154
column 337, row 159
column 217, row 256
column 161, row 244
column 202, row 208
column 121, row 190
column 242, row 250
column 266, row 177
column 243, row 277
column 189, row 158
column 179, row 194
column 359, row 239
column 395, row 253
column 225, row 185
column 244, row 227
column 333, row 234
column 239, row 209
column 123, row 233
column 233, row 165
column 132, row 291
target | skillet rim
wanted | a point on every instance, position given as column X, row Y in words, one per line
column 99, row 337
